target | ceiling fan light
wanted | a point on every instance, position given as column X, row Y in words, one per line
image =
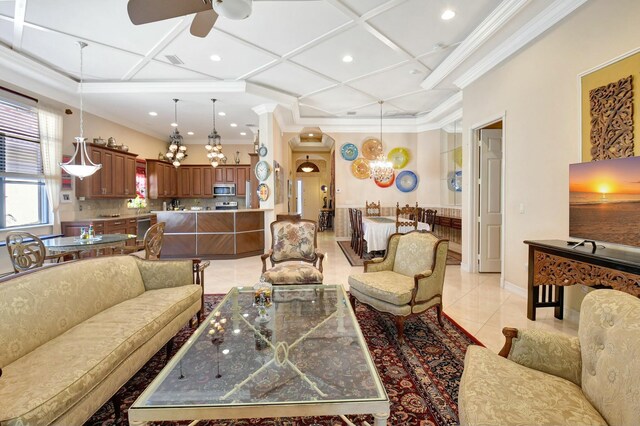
column 233, row 9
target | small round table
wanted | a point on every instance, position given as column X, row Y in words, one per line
column 65, row 244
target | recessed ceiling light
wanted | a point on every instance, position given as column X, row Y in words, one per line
column 414, row 71
column 233, row 125
column 174, row 124
column 447, row 14
column 153, row 113
column 347, row 58
column 243, row 133
column 215, row 58
column 310, row 135
column 222, row 113
column 190, row 133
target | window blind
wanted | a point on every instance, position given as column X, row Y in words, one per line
column 19, row 141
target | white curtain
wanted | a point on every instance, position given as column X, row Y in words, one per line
column 51, row 148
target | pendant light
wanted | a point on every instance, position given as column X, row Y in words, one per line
column 307, row 167
column 381, row 168
column 86, row 167
column 177, row 151
column 214, row 141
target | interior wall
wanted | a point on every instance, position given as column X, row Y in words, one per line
column 538, row 91
column 428, row 158
column 197, row 154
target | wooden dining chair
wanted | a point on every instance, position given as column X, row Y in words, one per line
column 151, row 244
column 26, row 251
column 372, row 208
column 352, row 223
column 406, row 218
column 361, row 244
column 428, row 216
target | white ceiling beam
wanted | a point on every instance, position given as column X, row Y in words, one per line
column 532, row 29
column 165, row 87
column 498, row 18
column 19, row 14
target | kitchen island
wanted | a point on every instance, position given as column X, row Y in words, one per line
column 212, row 234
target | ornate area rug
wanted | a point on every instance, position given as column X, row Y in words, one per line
column 453, row 258
column 421, row 375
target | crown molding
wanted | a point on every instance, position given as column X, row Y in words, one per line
column 265, row 108
column 532, row 29
column 451, row 103
column 498, row 18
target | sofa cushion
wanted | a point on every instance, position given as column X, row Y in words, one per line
column 609, row 335
column 297, row 273
column 70, row 365
column 41, row 305
column 497, row 391
column 388, row 286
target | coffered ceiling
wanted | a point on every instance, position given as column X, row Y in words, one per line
column 287, row 52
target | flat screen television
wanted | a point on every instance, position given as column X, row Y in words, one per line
column 604, row 201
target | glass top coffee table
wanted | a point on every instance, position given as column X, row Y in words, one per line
column 308, row 359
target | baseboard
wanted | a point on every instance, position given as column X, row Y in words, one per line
column 513, row 288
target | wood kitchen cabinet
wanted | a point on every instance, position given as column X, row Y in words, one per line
column 242, row 175
column 115, row 179
column 192, row 181
column 162, row 179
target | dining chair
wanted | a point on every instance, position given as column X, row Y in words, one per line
column 428, row 216
column 372, row 208
column 361, row 244
column 26, row 251
column 352, row 223
column 151, row 243
column 406, row 218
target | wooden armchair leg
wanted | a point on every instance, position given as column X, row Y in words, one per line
column 116, row 400
column 168, row 349
column 400, row 327
column 439, row 314
column 352, row 300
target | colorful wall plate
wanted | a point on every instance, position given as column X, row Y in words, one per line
column 406, row 181
column 263, row 170
column 349, row 151
column 399, row 157
column 454, row 181
column 372, row 149
column 387, row 183
column 360, row 168
column 263, row 192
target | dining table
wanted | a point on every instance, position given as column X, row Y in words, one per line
column 377, row 230
column 76, row 244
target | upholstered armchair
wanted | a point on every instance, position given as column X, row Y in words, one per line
column 544, row 378
column 407, row 281
column 293, row 241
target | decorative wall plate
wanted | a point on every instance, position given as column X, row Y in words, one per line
column 406, row 181
column 387, row 183
column 399, row 157
column 349, row 151
column 263, row 192
column 262, row 151
column 263, row 170
column 372, row 149
column 360, row 168
column 454, row 181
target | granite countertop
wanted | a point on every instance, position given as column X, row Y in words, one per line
column 123, row 216
column 209, row 211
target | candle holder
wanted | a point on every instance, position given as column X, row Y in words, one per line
column 216, row 333
column 262, row 300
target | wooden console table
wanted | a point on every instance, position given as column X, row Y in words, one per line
column 553, row 264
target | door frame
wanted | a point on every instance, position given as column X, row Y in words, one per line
column 473, row 206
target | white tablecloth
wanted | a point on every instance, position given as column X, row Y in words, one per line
column 377, row 234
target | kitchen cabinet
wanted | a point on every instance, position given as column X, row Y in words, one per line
column 115, row 179
column 162, row 179
column 192, row 181
column 242, row 175
column 184, row 179
column 230, row 174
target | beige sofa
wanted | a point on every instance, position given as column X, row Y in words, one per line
column 71, row 335
column 552, row 379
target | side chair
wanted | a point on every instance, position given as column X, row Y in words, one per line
column 27, row 251
column 372, row 208
column 406, row 218
column 151, row 244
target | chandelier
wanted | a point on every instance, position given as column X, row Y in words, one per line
column 86, row 167
column 177, row 151
column 381, row 168
column 214, row 141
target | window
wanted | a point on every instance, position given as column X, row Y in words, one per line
column 23, row 200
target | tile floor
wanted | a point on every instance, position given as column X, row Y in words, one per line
column 475, row 301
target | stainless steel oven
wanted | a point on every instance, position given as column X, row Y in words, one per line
column 144, row 223
column 224, row 190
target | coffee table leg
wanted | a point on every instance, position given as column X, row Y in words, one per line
column 380, row 419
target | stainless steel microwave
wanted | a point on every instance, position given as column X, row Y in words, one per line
column 224, row 190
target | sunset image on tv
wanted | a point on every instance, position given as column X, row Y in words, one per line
column 604, row 201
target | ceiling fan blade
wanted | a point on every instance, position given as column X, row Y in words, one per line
column 203, row 22
column 145, row 11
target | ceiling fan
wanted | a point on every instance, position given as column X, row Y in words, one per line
column 207, row 11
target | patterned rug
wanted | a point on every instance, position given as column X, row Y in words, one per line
column 453, row 258
column 421, row 375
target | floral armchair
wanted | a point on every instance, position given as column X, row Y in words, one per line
column 293, row 241
column 545, row 378
column 407, row 281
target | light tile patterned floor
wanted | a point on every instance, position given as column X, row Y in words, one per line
column 475, row 301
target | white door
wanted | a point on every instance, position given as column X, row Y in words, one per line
column 490, row 214
column 311, row 195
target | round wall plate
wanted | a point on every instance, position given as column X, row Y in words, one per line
column 372, row 149
column 360, row 168
column 399, row 157
column 262, row 151
column 263, row 192
column 263, row 170
column 386, row 183
column 349, row 151
column 406, row 181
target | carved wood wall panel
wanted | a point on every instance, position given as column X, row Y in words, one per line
column 555, row 270
column 612, row 120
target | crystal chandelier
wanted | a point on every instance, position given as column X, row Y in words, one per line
column 214, row 142
column 86, row 167
column 177, row 151
column 381, row 168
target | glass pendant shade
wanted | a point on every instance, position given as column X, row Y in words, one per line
column 214, row 141
column 176, row 151
column 307, row 167
column 81, row 166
